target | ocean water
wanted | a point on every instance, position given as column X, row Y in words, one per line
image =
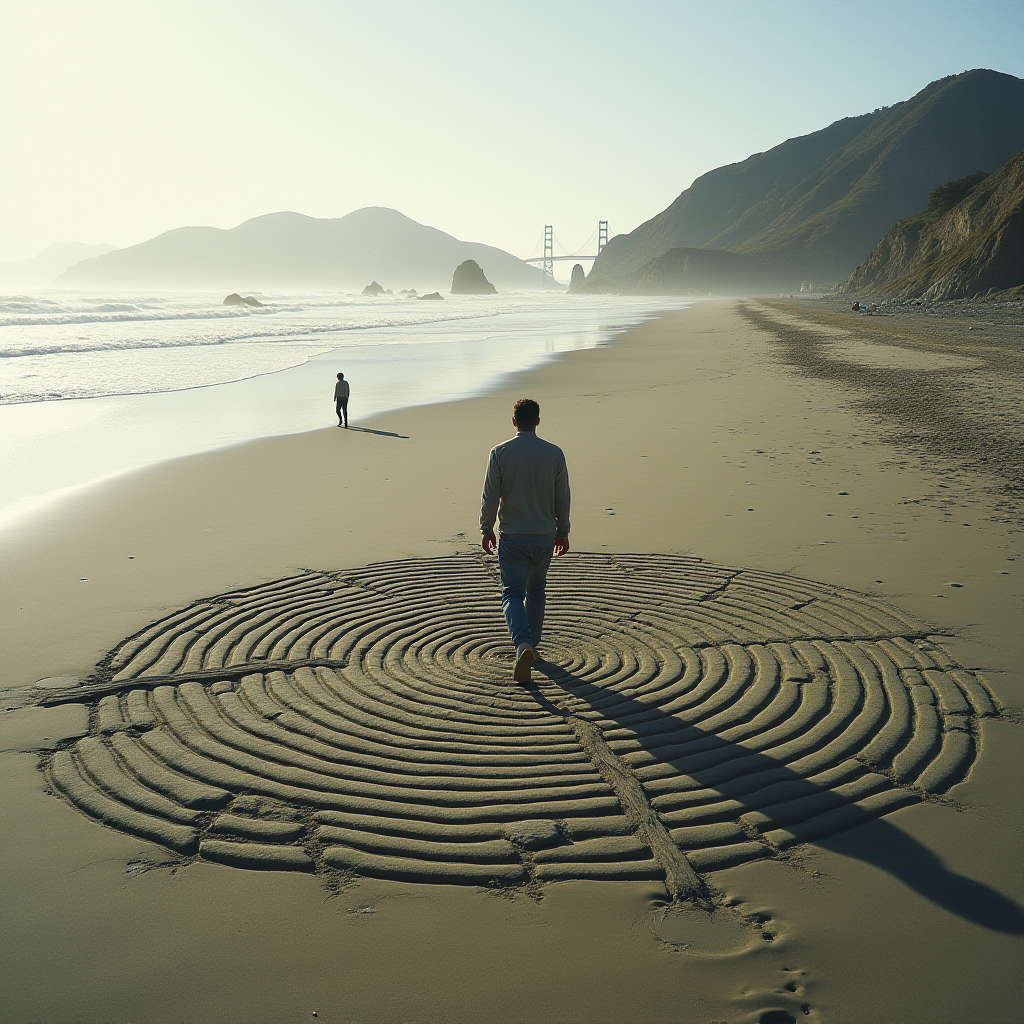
column 60, row 345
column 93, row 385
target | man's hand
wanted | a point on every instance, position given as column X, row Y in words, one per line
column 561, row 545
column 488, row 542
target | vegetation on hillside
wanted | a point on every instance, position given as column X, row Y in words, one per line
column 972, row 248
column 945, row 197
column 818, row 204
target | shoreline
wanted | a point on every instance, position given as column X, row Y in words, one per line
column 683, row 436
column 55, row 448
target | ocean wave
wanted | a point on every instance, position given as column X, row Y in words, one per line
column 105, row 316
column 167, row 370
column 76, row 345
column 283, row 332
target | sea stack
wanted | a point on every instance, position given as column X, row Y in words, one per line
column 578, row 279
column 373, row 289
column 469, row 279
column 234, row 299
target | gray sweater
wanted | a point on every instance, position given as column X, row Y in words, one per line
column 526, row 487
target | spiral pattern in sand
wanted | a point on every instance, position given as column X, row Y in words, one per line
column 687, row 716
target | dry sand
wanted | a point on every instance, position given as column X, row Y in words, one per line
column 721, row 458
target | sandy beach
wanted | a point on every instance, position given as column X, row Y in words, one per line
column 175, row 377
column 774, row 504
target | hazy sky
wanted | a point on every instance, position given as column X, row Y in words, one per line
column 486, row 119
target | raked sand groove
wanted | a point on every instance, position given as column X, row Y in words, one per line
column 687, row 717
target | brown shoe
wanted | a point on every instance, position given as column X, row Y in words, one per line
column 525, row 657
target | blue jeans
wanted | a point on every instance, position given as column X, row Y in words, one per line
column 523, row 559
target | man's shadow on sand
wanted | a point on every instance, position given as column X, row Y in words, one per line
column 876, row 842
column 379, row 433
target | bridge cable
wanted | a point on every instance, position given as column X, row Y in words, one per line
column 581, row 249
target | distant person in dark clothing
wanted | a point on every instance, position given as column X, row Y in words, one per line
column 341, row 393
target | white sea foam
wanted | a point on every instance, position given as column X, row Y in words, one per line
column 59, row 345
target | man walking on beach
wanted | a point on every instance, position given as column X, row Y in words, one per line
column 527, row 489
column 341, row 393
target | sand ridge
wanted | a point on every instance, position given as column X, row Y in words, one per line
column 687, row 717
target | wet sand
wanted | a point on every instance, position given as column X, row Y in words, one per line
column 721, row 433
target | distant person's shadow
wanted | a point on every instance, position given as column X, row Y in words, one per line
column 379, row 433
column 877, row 841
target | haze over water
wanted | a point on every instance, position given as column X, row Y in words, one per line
column 94, row 384
column 58, row 344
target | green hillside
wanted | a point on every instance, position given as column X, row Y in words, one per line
column 815, row 206
column 974, row 247
column 690, row 271
column 724, row 196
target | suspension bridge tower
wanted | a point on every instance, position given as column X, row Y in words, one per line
column 548, row 260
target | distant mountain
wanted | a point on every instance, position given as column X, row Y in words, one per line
column 707, row 271
column 972, row 249
column 291, row 251
column 816, row 205
column 689, row 271
column 41, row 270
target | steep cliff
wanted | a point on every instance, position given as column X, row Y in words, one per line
column 976, row 248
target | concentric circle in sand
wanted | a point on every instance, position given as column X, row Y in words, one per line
column 687, row 716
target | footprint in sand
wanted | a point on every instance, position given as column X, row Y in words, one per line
column 694, row 931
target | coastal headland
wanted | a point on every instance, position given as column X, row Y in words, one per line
column 750, row 492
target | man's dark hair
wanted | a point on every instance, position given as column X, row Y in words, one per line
column 527, row 413
column 341, row 376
